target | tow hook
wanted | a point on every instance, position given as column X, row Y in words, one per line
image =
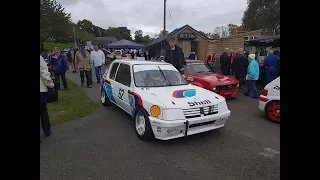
column 187, row 127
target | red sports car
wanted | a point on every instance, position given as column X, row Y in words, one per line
column 199, row 74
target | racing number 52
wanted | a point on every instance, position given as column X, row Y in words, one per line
column 120, row 95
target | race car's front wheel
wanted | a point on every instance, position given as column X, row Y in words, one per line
column 104, row 98
column 142, row 125
column 273, row 111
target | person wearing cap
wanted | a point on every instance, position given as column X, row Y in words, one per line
column 174, row 55
column 252, row 76
column 84, row 64
column 98, row 59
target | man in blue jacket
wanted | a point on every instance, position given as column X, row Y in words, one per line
column 252, row 76
column 271, row 63
column 59, row 66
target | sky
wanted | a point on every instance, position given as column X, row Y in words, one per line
column 147, row 15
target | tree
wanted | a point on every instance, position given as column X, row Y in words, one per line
column 262, row 14
column 146, row 39
column 125, row 33
column 203, row 33
column 54, row 21
column 89, row 27
column 138, row 36
column 222, row 31
column 118, row 32
column 161, row 33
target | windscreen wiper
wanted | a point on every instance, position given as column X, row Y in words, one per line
column 202, row 72
column 164, row 76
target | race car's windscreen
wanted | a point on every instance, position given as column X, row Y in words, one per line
column 198, row 69
column 157, row 76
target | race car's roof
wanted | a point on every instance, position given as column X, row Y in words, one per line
column 133, row 62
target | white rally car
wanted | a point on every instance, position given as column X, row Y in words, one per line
column 269, row 100
column 162, row 103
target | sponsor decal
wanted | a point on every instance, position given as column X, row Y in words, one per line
column 108, row 89
column 184, row 93
column 197, row 103
column 134, row 101
column 277, row 87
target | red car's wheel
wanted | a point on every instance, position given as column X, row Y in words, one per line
column 273, row 111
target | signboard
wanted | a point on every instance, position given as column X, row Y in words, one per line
column 187, row 36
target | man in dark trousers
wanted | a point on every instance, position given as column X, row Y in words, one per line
column 225, row 62
column 45, row 83
column 174, row 55
column 240, row 65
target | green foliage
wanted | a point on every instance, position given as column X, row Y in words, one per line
column 262, row 14
column 138, row 36
column 54, row 21
column 56, row 26
column 146, row 39
column 51, row 45
column 119, row 33
column 161, row 33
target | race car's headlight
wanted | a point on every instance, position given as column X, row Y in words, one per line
column 173, row 114
column 214, row 88
column 222, row 107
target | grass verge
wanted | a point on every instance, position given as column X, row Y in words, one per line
column 72, row 104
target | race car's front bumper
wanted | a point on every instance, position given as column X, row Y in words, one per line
column 263, row 100
column 166, row 130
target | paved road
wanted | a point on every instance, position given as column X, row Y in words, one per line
column 104, row 146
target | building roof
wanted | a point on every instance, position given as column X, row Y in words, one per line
column 103, row 40
column 172, row 33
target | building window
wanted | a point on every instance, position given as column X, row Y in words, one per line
column 253, row 37
column 246, row 38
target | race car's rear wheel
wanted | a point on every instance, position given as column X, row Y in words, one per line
column 273, row 111
column 142, row 125
column 104, row 98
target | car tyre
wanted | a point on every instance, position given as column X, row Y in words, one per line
column 272, row 111
column 142, row 125
column 104, row 98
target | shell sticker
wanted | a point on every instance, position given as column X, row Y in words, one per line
column 184, row 93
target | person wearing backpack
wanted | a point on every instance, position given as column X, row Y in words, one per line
column 59, row 66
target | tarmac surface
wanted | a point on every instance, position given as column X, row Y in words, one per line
column 104, row 145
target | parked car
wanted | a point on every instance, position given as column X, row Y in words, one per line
column 108, row 54
column 117, row 54
column 161, row 102
column 199, row 74
column 269, row 100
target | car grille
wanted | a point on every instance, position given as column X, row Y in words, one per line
column 226, row 87
column 196, row 112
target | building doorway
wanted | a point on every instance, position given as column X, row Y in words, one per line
column 194, row 47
